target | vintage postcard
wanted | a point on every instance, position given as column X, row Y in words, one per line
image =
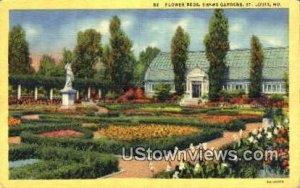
column 150, row 93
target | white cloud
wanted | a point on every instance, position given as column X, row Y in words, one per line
column 104, row 27
column 184, row 23
column 32, row 30
column 273, row 41
column 238, row 25
column 154, row 44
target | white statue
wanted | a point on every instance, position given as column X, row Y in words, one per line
column 69, row 76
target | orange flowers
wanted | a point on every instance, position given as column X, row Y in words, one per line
column 142, row 132
column 218, row 119
column 227, row 118
column 281, row 140
column 13, row 121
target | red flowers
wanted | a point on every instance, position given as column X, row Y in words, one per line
column 62, row 133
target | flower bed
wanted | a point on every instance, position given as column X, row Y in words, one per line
column 42, row 126
column 116, row 146
column 13, row 121
column 271, row 138
column 62, row 133
column 143, row 132
column 229, row 118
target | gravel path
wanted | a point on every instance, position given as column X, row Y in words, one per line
column 146, row 169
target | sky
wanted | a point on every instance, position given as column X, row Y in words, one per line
column 49, row 31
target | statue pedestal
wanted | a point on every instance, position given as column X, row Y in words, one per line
column 68, row 98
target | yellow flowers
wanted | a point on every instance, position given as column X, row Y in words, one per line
column 142, row 132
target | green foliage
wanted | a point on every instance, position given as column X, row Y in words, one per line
column 162, row 91
column 31, row 81
column 179, row 55
column 47, row 66
column 145, row 58
column 107, row 62
column 118, row 58
column 229, row 94
column 257, row 61
column 64, row 163
column 276, row 98
column 87, row 53
column 22, row 151
column 68, row 57
column 40, row 127
column 18, row 52
column 115, row 146
column 217, row 46
column 111, row 95
column 136, row 120
column 268, row 113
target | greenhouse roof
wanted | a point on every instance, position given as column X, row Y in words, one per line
column 237, row 61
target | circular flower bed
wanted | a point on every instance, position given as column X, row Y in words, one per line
column 62, row 133
column 142, row 132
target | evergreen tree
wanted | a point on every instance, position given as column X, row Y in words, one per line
column 47, row 66
column 67, row 57
column 145, row 59
column 107, row 62
column 18, row 52
column 217, row 46
column 87, row 53
column 121, row 56
column 179, row 55
column 256, row 67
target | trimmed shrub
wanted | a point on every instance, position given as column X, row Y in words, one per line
column 162, row 91
column 113, row 146
column 46, row 127
column 22, row 151
column 63, row 163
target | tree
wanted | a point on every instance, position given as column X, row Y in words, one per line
column 18, row 52
column 67, row 57
column 145, row 59
column 87, row 53
column 216, row 48
column 179, row 55
column 121, row 57
column 47, row 66
column 107, row 62
column 256, row 66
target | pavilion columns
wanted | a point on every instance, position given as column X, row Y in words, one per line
column 77, row 94
column 51, row 94
column 89, row 93
column 19, row 92
column 99, row 93
column 35, row 93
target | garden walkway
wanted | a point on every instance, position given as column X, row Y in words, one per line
column 146, row 169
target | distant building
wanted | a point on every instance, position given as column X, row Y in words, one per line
column 236, row 77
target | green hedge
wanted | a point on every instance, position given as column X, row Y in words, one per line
column 45, row 127
column 22, row 151
column 115, row 146
column 31, row 81
column 120, row 107
column 65, row 163
column 136, row 120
